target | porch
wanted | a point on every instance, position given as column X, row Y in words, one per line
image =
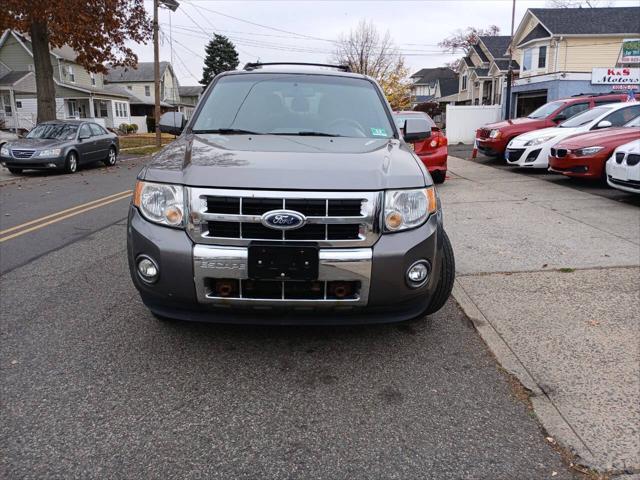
column 106, row 111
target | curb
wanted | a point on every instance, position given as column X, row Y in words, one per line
column 548, row 414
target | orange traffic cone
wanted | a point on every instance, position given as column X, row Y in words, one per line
column 474, row 152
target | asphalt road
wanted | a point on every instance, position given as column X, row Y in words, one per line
column 92, row 386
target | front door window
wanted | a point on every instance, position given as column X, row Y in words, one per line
column 73, row 108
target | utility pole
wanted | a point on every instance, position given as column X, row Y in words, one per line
column 156, row 72
column 510, row 71
column 173, row 6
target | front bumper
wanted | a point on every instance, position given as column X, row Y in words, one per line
column 581, row 167
column 34, row 163
column 623, row 177
column 535, row 156
column 490, row 146
column 181, row 290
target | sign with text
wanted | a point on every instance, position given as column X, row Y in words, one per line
column 630, row 52
column 615, row 76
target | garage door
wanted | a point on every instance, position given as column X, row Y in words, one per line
column 527, row 102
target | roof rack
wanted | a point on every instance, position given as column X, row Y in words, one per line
column 592, row 94
column 254, row 66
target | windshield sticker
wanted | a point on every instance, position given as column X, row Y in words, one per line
column 378, row 132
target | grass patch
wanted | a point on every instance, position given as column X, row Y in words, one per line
column 147, row 150
column 567, row 270
column 143, row 140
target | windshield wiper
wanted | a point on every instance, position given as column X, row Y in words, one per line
column 306, row 133
column 228, row 131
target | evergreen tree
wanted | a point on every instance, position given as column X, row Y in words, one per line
column 221, row 57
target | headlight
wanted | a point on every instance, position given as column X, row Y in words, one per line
column 538, row 141
column 495, row 134
column 160, row 203
column 50, row 152
column 587, row 151
column 4, row 151
column 405, row 209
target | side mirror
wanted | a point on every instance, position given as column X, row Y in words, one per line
column 604, row 124
column 561, row 117
column 416, row 129
column 172, row 122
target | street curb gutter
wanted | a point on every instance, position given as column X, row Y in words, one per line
column 551, row 419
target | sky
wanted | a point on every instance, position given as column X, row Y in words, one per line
column 306, row 31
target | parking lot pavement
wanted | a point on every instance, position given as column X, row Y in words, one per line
column 549, row 275
column 94, row 387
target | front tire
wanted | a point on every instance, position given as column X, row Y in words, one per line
column 112, row 157
column 15, row 171
column 438, row 176
column 71, row 163
column 447, row 276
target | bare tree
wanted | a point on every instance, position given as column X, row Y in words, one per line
column 462, row 39
column 579, row 3
column 364, row 50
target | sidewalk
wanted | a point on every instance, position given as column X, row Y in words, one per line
column 550, row 277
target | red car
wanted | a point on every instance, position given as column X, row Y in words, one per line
column 585, row 155
column 492, row 139
column 433, row 151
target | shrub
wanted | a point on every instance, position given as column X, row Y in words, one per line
column 124, row 128
column 133, row 127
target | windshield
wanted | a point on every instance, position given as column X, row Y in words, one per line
column 290, row 104
column 60, row 131
column 546, row 110
column 585, row 117
column 400, row 119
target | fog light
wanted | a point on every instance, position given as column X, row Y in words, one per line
column 418, row 273
column 51, row 165
column 148, row 269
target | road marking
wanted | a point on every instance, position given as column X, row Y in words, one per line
column 74, row 211
column 62, row 212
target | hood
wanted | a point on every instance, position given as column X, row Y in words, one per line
column 36, row 143
column 286, row 163
column 543, row 132
column 609, row 137
column 522, row 121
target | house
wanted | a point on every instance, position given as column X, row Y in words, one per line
column 482, row 73
column 79, row 93
column 429, row 84
column 189, row 96
column 571, row 51
column 138, row 83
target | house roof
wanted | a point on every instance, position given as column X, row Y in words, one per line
column 448, row 86
column 65, row 52
column 496, row 44
column 538, row 32
column 431, row 75
column 133, row 98
column 482, row 72
column 13, row 77
column 190, row 90
column 503, row 64
column 468, row 61
column 143, row 72
column 481, row 54
column 588, row 21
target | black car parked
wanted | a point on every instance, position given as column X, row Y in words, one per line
column 61, row 144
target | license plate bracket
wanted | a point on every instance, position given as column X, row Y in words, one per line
column 283, row 262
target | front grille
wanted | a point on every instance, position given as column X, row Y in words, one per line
column 515, row 154
column 559, row 152
column 626, row 183
column 532, row 156
column 484, row 133
column 22, row 153
column 619, row 157
column 633, row 159
column 234, row 217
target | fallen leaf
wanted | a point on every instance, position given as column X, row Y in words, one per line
column 13, row 362
column 545, row 265
column 594, row 323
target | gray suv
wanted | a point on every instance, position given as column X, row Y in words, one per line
column 289, row 198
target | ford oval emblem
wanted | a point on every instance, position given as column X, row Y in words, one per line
column 283, row 219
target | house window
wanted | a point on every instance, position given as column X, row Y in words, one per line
column 527, row 59
column 71, row 74
column 130, row 87
column 147, row 90
column 464, row 82
column 6, row 101
column 18, row 104
column 102, row 109
column 72, row 107
column 542, row 57
column 93, row 78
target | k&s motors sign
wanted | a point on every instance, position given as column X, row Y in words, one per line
column 615, row 76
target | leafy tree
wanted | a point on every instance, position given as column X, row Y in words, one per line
column 364, row 50
column 221, row 57
column 96, row 31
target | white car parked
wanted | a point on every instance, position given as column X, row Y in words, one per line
column 532, row 149
column 623, row 168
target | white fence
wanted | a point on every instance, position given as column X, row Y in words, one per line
column 463, row 120
column 141, row 122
